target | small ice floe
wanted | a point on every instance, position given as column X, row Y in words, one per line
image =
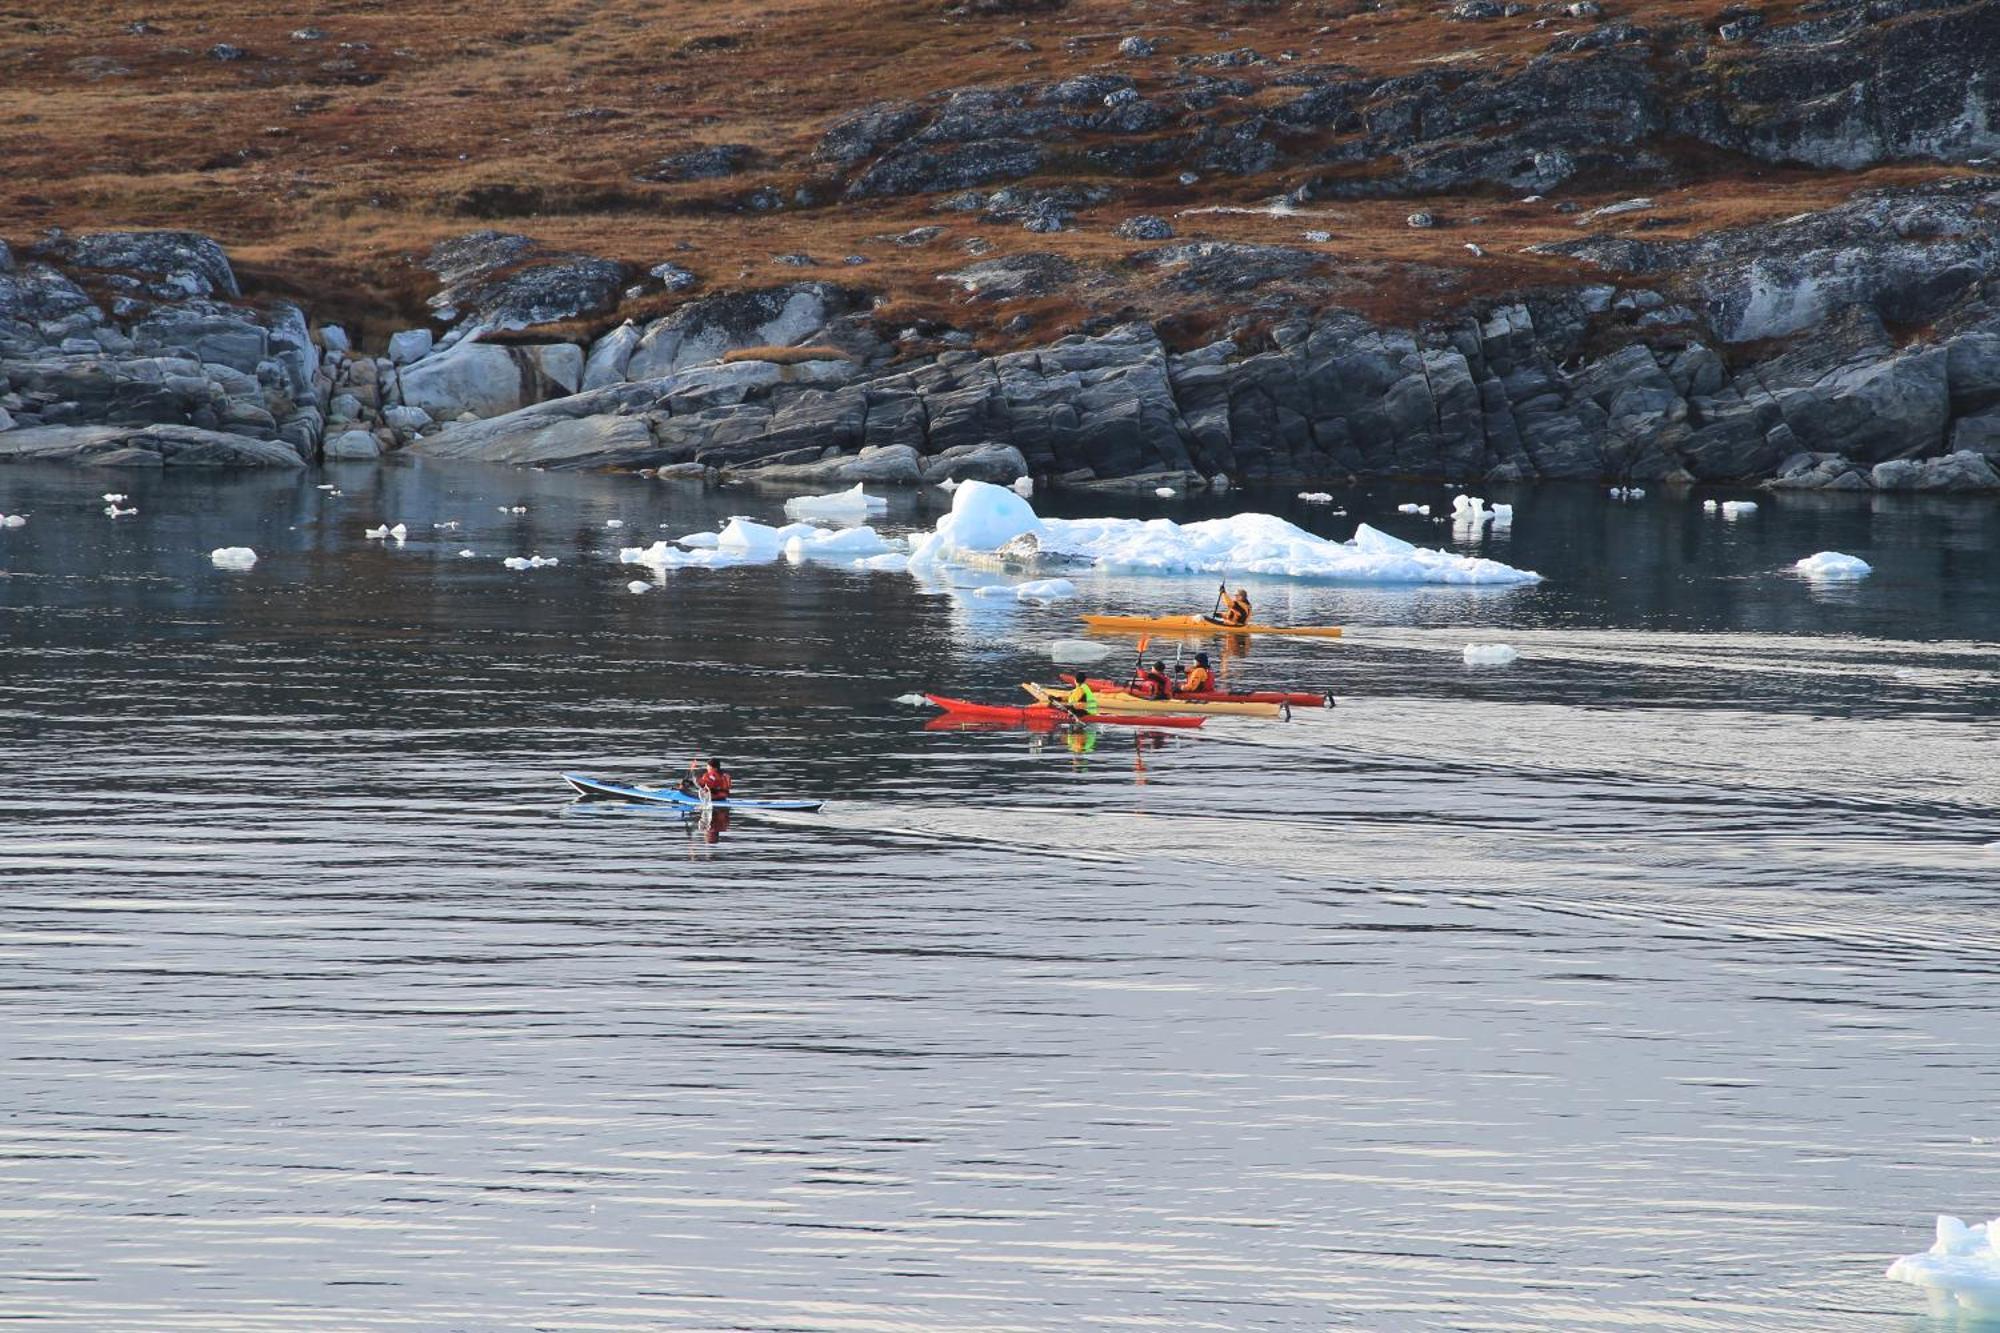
column 950, row 485
column 13, row 520
column 1080, row 651
column 614, row 522
column 1503, row 516
column 467, row 553
column 1425, row 510
column 849, row 504
column 1046, row 590
column 638, row 586
column 449, row 526
column 1469, row 511
column 1316, row 497
column 824, row 544
column 112, row 497
column 1165, row 492
column 889, row 562
column 335, row 495
column 324, row 486
column 1490, row 654
column 911, row 700
column 1960, row 1272
column 1627, row 493
column 1738, row 508
column 513, row 509
column 115, row 512
column 1024, row 486
column 700, row 541
column 1834, row 566
column 529, row 561
column 399, row 532
column 233, row 557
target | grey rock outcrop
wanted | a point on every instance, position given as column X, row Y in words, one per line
column 488, row 379
column 142, row 446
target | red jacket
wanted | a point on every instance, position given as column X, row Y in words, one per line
column 714, row 783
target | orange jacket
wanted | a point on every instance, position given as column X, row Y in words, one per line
column 1197, row 680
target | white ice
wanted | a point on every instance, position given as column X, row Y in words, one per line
column 450, row 526
column 112, row 497
column 1834, row 565
column 1080, row 651
column 327, row 486
column 1738, row 508
column 1469, row 511
column 696, row 541
column 1164, row 492
column 614, row 522
column 530, row 561
column 848, row 504
column 841, row 543
column 638, row 585
column 985, row 517
column 399, row 532
column 1503, row 516
column 950, row 485
column 1023, row 486
column 1961, row 1269
column 889, row 562
column 913, row 700
column 467, row 553
column 233, row 557
column 13, row 520
column 1627, row 493
column 1046, row 590
column 1490, row 654
column 1316, row 497
column 664, row 555
column 1709, row 506
column 114, row 511
column 1413, row 509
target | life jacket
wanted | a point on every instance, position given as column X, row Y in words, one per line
column 1236, row 611
column 715, row 784
column 1156, row 685
column 1198, row 681
column 1082, row 698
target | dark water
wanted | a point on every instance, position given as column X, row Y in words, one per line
column 1647, row 983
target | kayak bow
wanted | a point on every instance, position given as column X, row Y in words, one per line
column 1202, row 625
column 590, row 789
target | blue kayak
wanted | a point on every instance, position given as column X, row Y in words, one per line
column 593, row 790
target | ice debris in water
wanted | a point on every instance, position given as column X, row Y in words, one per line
column 399, row 532
column 112, row 497
column 13, row 520
column 1490, row 654
column 449, row 526
column 114, row 511
column 1080, row 651
column 638, row 585
column 529, row 561
column 854, row 504
column 913, row 700
column 324, row 486
column 889, row 562
column 1960, row 1272
column 1046, row 590
column 614, row 522
column 743, row 541
column 984, row 517
column 1414, row 509
column 1021, row 486
column 1316, row 497
column 1738, row 508
column 233, row 557
column 697, row 540
column 1834, row 565
column 467, row 553
column 1164, row 492
column 950, row 485
column 516, row 509
column 1627, row 493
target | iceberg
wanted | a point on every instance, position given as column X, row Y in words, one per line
column 1470, row 510
column 233, row 557
column 1832, row 565
column 1490, row 654
column 835, row 544
column 698, row 541
column 985, row 517
column 1960, row 1272
column 848, row 504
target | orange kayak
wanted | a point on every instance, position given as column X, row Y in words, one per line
column 1201, row 625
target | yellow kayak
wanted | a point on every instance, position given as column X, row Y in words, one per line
column 1117, row 701
column 1202, row 625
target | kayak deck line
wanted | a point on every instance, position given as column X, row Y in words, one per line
column 1202, row 625
column 593, row 789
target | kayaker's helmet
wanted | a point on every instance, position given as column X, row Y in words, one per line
column 1201, row 659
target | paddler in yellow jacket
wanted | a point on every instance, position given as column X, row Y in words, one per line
column 1235, row 609
column 1079, row 698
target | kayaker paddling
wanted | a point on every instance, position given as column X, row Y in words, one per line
column 1079, row 699
column 1154, row 683
column 1234, row 610
column 707, row 780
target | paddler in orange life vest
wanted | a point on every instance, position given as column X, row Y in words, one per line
column 1235, row 609
column 1199, row 678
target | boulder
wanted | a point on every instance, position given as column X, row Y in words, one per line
column 889, row 465
column 353, row 444
column 410, row 345
column 143, row 446
column 1001, row 464
column 703, row 330
column 1964, row 471
column 487, row 379
column 610, row 356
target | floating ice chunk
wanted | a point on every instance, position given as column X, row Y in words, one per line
column 983, row 517
column 529, row 561
column 912, row 700
column 614, row 522
column 1503, row 516
column 1414, row 509
column 638, row 586
column 1834, row 565
column 518, row 509
column 699, row 540
column 1164, row 492
column 951, row 484
column 1046, row 590
column 233, row 557
column 1469, row 510
column 759, row 541
column 115, row 512
column 399, row 532
column 325, row 486
column 1490, row 654
column 889, row 562
column 848, row 504
column 467, row 553
column 825, row 544
column 1709, row 506
column 663, row 555
column 1738, row 508
column 1960, row 1272
column 1023, row 486
column 1080, row 651
column 112, row 497
column 1316, row 497
column 449, row 526
column 1627, row 493
column 13, row 520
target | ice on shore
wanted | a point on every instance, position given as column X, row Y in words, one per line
column 1490, row 654
column 841, row 505
column 984, row 517
column 233, row 557
column 1082, row 652
column 1832, row 565
column 1960, row 1272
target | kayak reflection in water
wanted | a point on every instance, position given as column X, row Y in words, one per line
column 1081, row 740
column 711, row 824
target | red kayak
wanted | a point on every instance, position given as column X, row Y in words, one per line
column 1035, row 715
column 1296, row 698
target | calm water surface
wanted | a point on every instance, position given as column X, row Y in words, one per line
column 1645, row 984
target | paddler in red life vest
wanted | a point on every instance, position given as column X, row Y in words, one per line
column 1155, row 683
column 711, row 780
column 1199, row 678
